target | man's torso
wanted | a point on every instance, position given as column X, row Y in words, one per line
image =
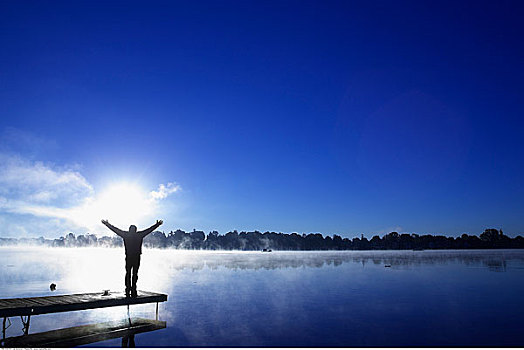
column 133, row 243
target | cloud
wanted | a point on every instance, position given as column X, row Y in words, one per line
column 30, row 190
column 35, row 196
column 36, row 182
column 164, row 190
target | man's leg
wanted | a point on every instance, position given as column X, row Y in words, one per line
column 136, row 265
column 129, row 265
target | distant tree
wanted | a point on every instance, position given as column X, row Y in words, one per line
column 355, row 242
column 364, row 243
column 59, row 242
column 337, row 242
column 230, row 241
column 156, row 239
column 405, row 241
column 376, row 243
column 314, row 241
column 328, row 243
column 197, row 239
column 91, row 240
column 391, row 240
column 81, row 241
column 495, row 238
column 211, row 241
column 518, row 242
column 70, row 240
column 347, row 244
column 296, row 241
column 490, row 235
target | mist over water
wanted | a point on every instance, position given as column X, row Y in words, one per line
column 347, row 298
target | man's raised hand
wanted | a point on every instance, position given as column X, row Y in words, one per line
column 159, row 222
column 105, row 222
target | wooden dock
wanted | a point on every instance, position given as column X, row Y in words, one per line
column 82, row 335
column 73, row 302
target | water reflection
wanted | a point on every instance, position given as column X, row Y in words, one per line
column 105, row 259
column 291, row 298
column 79, row 269
column 86, row 334
column 495, row 260
column 284, row 260
column 128, row 341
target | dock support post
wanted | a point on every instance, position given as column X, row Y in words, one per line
column 26, row 324
column 3, row 328
column 157, row 311
column 27, row 327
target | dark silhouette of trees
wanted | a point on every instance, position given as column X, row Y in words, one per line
column 494, row 239
column 376, row 243
column 257, row 241
column 338, row 243
column 155, row 239
column 196, row 239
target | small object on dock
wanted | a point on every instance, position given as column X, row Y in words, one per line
column 387, row 265
column 266, row 250
column 52, row 287
column 106, row 292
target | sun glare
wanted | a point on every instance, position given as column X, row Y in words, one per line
column 122, row 204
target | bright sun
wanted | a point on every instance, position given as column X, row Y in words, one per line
column 122, row 204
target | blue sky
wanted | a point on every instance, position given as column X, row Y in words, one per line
column 293, row 116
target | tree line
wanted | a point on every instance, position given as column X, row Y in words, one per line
column 255, row 240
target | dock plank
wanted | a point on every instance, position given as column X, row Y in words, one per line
column 29, row 302
column 49, row 300
column 37, row 301
column 69, row 299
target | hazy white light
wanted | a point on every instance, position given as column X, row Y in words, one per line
column 122, row 204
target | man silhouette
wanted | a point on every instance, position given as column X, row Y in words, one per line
column 133, row 245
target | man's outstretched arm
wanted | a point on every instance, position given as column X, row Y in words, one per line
column 151, row 229
column 113, row 228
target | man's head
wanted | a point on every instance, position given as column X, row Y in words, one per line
column 132, row 229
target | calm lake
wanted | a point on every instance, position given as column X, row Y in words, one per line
column 426, row 298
